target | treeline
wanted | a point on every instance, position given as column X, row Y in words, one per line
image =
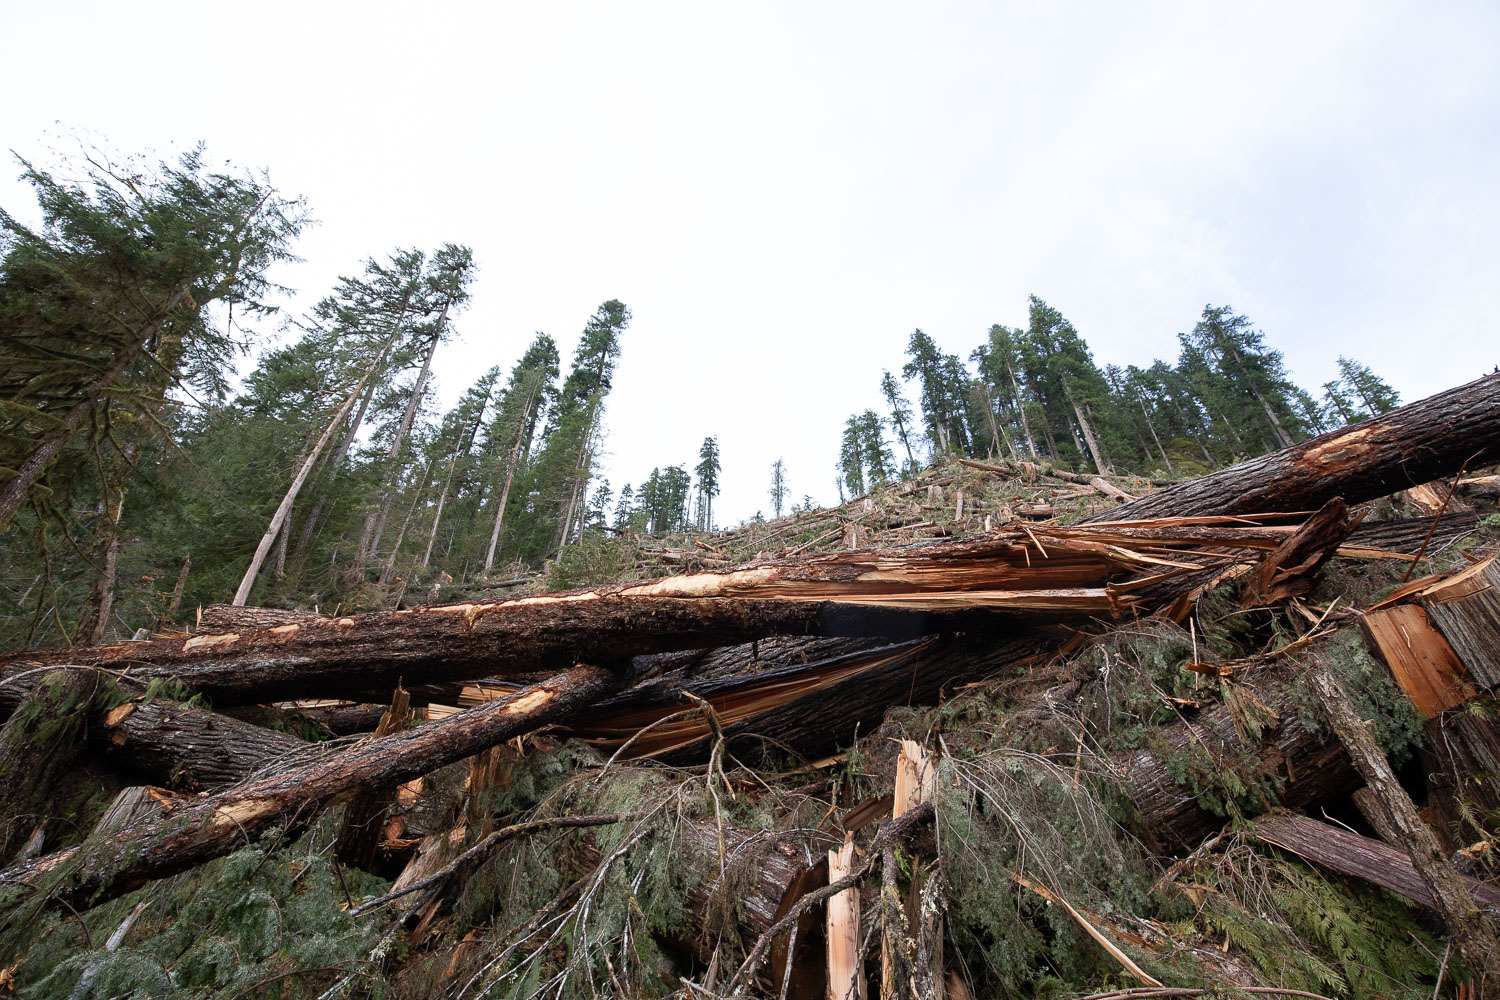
column 139, row 477
column 1035, row 393
column 137, row 483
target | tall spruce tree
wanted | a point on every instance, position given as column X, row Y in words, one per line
column 778, row 487
column 528, row 397
column 104, row 307
column 708, row 480
column 944, row 385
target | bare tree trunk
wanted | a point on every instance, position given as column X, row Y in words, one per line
column 1470, row 926
column 1088, row 434
column 512, row 461
column 418, row 489
column 375, row 520
column 1418, row 443
column 1152, row 428
column 279, row 518
column 177, row 589
column 101, row 600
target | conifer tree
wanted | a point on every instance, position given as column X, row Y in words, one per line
column 944, row 390
column 1373, row 392
column 778, row 487
column 528, row 396
column 900, row 412
column 566, row 462
column 104, row 306
column 708, row 480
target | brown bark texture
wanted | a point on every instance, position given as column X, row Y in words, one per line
column 37, row 745
column 1470, row 928
column 990, row 584
column 1416, row 444
column 206, row 828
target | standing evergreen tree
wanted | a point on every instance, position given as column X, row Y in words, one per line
column 528, row 395
column 851, row 464
column 708, row 480
column 1075, row 387
column 1370, row 389
column 944, row 391
column 900, row 412
column 104, row 308
column 778, row 487
column 445, row 290
column 1243, row 383
column 566, row 461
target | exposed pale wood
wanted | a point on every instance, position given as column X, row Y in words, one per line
column 1419, row 658
column 1291, row 569
column 1466, row 609
column 846, row 980
column 364, row 816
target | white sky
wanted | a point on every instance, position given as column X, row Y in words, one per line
column 781, row 192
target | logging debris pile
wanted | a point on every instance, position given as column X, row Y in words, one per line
column 987, row 733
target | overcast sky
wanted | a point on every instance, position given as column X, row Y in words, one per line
column 781, row 192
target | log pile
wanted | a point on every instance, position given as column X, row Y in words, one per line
column 1125, row 733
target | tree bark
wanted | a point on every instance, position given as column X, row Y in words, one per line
column 1470, row 928
column 37, row 745
column 986, row 584
column 1416, row 444
column 190, row 748
column 203, row 829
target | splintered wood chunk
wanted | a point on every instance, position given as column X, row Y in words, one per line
column 846, row 979
column 1420, row 659
column 1466, row 609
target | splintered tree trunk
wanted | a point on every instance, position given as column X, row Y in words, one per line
column 365, row 815
column 177, row 589
column 37, row 746
column 1415, row 444
column 986, row 584
column 202, row 829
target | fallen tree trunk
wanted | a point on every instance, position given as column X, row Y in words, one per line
column 1360, row 857
column 987, row 583
column 1416, row 444
column 207, row 828
column 190, row 748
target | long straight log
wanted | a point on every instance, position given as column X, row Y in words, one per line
column 190, row 748
column 1427, row 440
column 210, row 827
column 988, row 583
